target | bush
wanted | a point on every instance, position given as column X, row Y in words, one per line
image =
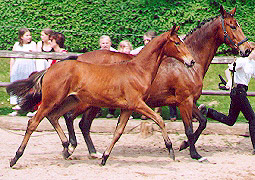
column 83, row 22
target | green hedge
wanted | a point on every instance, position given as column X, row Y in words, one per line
column 84, row 21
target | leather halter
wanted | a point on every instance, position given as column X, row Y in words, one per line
column 226, row 36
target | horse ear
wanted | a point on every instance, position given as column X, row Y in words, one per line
column 222, row 11
column 173, row 29
column 233, row 11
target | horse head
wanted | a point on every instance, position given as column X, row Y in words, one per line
column 232, row 32
column 176, row 48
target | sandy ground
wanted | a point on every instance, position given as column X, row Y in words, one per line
column 133, row 157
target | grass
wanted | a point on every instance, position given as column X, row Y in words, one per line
column 5, row 106
column 220, row 103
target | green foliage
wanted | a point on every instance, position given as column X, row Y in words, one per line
column 84, row 21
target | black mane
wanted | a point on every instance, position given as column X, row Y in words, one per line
column 200, row 25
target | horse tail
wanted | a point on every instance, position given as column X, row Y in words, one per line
column 22, row 87
column 30, row 102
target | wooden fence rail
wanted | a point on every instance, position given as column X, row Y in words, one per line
column 61, row 56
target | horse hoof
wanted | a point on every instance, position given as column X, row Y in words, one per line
column 172, row 156
column 71, row 149
column 196, row 156
column 12, row 162
column 66, row 154
column 203, row 159
column 104, row 159
column 183, row 145
column 96, row 155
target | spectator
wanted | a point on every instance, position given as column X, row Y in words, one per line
column 44, row 46
column 125, row 46
column 147, row 37
column 243, row 71
column 57, row 41
column 106, row 43
column 21, row 68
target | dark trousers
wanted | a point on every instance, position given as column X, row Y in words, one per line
column 239, row 103
column 111, row 111
column 173, row 111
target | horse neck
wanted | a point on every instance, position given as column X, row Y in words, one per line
column 150, row 57
column 203, row 44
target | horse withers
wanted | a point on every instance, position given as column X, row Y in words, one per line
column 122, row 85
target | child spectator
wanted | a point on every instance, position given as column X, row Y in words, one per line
column 21, row 68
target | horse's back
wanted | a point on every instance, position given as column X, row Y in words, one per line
column 104, row 57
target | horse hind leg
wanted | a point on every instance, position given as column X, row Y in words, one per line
column 85, row 125
column 123, row 119
column 147, row 111
column 69, row 118
column 67, row 105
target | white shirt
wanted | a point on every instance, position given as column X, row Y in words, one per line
column 245, row 70
column 137, row 50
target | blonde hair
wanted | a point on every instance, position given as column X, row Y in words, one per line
column 123, row 44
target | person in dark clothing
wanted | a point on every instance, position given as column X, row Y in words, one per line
column 244, row 70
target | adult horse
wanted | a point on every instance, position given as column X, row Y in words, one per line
column 122, row 85
column 174, row 84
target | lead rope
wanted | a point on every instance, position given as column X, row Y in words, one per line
column 233, row 71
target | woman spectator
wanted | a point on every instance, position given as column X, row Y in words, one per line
column 44, row 46
column 125, row 46
column 57, row 41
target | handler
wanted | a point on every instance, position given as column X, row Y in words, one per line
column 245, row 69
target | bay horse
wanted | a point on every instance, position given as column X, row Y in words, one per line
column 174, row 84
column 122, row 85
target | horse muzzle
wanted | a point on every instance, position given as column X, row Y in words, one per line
column 246, row 53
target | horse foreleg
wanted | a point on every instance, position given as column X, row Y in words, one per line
column 202, row 125
column 147, row 111
column 31, row 127
column 186, row 113
column 67, row 105
column 85, row 125
column 123, row 119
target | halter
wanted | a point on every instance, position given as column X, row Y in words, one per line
column 226, row 36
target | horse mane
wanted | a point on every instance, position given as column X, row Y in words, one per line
column 200, row 25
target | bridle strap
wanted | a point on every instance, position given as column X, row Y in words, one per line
column 241, row 42
column 226, row 36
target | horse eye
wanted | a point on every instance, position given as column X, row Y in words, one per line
column 233, row 27
column 177, row 43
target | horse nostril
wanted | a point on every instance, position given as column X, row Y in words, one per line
column 247, row 52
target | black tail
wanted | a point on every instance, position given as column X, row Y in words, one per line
column 22, row 87
column 30, row 102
